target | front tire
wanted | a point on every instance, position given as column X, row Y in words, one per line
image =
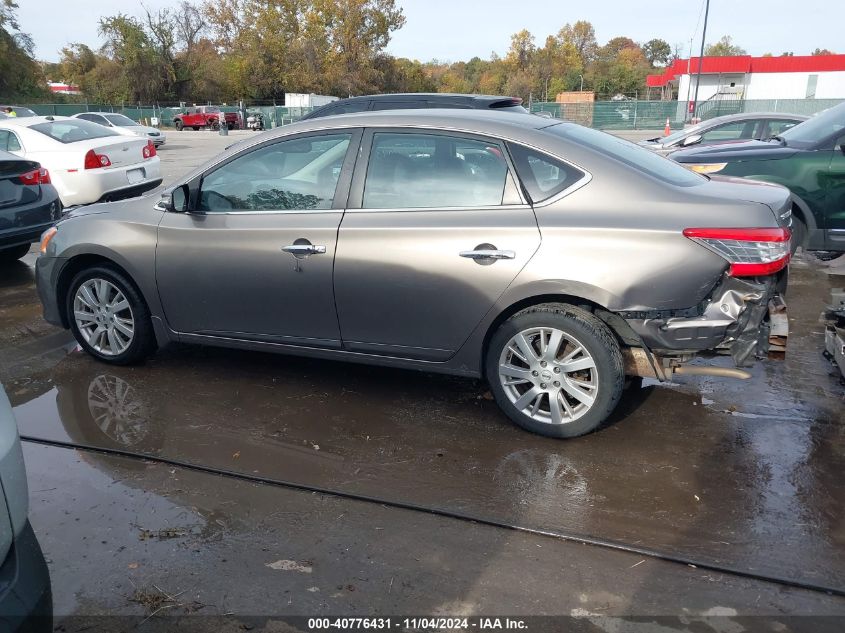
column 11, row 254
column 555, row 370
column 109, row 318
column 179, row 125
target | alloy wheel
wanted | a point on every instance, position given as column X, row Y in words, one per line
column 104, row 317
column 548, row 375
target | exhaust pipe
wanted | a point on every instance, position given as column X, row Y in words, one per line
column 721, row 372
column 637, row 364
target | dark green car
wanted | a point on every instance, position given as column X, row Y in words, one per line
column 808, row 158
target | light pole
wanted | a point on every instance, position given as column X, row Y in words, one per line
column 700, row 60
column 581, row 89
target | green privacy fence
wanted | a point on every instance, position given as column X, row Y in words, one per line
column 629, row 114
column 644, row 115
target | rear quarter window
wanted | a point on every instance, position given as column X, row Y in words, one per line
column 638, row 158
column 542, row 175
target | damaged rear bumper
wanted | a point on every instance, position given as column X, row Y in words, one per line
column 735, row 319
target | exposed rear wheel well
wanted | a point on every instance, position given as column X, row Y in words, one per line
column 519, row 306
column 74, row 267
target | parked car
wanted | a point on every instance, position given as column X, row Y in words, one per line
column 808, row 158
column 26, row 602
column 29, row 204
column 122, row 124
column 543, row 255
column 731, row 127
column 198, row 117
column 87, row 162
column 20, row 111
column 418, row 100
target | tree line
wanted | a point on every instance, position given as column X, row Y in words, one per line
column 225, row 50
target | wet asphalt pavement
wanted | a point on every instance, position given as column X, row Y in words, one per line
column 733, row 475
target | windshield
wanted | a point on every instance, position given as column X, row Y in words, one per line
column 212, row 109
column 816, row 129
column 72, row 130
column 120, row 120
column 639, row 158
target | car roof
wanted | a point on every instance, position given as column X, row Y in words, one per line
column 439, row 96
column 479, row 121
column 741, row 116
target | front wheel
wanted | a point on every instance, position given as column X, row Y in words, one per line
column 179, row 125
column 108, row 317
column 215, row 126
column 555, row 370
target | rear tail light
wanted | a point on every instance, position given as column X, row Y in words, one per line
column 38, row 176
column 750, row 252
column 93, row 160
column 149, row 150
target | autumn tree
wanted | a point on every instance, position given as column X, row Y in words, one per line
column 724, row 48
column 657, row 52
column 20, row 74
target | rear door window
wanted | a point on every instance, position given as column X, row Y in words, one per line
column 433, row 171
column 543, row 176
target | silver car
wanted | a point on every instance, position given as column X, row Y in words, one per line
column 26, row 602
column 549, row 258
column 732, row 127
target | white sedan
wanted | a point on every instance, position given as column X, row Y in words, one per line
column 122, row 124
column 87, row 162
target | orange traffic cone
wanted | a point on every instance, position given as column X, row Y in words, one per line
column 668, row 129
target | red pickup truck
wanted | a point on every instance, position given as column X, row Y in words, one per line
column 197, row 117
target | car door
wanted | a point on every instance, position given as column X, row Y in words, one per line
column 435, row 231
column 253, row 259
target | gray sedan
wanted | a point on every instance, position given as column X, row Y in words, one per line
column 732, row 127
column 549, row 258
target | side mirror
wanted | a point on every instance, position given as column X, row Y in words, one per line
column 175, row 201
column 693, row 139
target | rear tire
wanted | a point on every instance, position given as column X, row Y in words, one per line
column 179, row 125
column 108, row 316
column 563, row 377
column 11, row 254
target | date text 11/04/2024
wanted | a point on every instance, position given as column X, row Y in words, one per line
column 417, row 623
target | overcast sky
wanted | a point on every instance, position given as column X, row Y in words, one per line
column 454, row 30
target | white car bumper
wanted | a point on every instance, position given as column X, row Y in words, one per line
column 84, row 186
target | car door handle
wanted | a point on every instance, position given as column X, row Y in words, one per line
column 304, row 249
column 488, row 254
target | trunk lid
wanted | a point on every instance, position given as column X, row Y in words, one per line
column 13, row 193
column 776, row 197
column 121, row 150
